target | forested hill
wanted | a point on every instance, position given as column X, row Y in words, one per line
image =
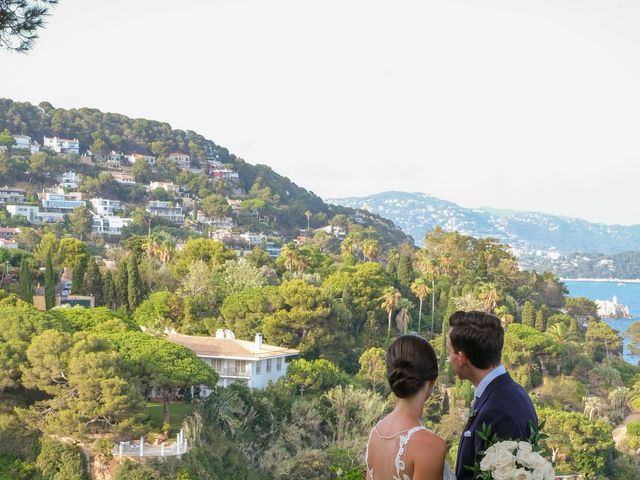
column 103, row 132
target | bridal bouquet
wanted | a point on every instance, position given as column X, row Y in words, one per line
column 511, row 460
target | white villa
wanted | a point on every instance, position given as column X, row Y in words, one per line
column 133, row 157
column 62, row 145
column 104, row 206
column 167, row 186
column 69, row 180
column 162, row 209
column 62, row 201
column 254, row 363
column 182, row 159
column 11, row 195
column 124, row 178
column 33, row 214
column 24, row 142
column 109, row 224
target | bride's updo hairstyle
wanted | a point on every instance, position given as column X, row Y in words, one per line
column 411, row 362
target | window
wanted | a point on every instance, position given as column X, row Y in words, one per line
column 258, row 367
column 241, row 367
column 216, row 363
column 279, row 363
column 268, row 365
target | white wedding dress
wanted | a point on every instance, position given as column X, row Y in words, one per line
column 399, row 465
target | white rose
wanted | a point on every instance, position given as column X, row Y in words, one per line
column 507, row 445
column 525, row 447
column 505, row 473
column 530, row 459
column 488, row 462
column 549, row 472
column 504, row 458
column 521, row 474
column 537, row 474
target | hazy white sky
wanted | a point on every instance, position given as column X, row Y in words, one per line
column 529, row 105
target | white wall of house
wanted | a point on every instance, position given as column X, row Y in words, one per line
column 267, row 370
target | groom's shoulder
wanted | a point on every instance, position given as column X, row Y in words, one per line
column 507, row 390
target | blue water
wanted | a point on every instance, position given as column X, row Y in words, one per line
column 628, row 294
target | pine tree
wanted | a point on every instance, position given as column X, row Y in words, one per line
column 445, row 331
column 541, row 319
column 528, row 314
column 79, row 271
column 109, row 290
column 93, row 282
column 26, row 284
column 49, row 285
column 122, row 285
column 135, row 290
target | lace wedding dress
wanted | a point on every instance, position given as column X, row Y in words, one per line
column 447, row 473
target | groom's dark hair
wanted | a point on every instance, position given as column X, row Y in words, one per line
column 479, row 335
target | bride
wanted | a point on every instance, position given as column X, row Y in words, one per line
column 400, row 447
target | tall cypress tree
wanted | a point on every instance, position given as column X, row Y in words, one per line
column 135, row 289
column 26, row 284
column 79, row 270
column 109, row 290
column 49, row 285
column 528, row 314
column 122, row 285
column 93, row 282
column 405, row 274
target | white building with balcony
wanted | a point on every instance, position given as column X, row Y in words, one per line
column 11, row 195
column 254, row 363
column 33, row 214
column 59, row 200
column 62, row 145
column 134, row 157
column 124, row 178
column 109, row 225
column 24, row 142
column 69, row 180
column 104, row 206
column 182, row 160
column 165, row 210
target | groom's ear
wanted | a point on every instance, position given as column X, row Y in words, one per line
column 462, row 358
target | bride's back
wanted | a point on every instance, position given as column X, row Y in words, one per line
column 391, row 455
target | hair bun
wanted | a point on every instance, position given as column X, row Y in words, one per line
column 411, row 362
column 403, row 380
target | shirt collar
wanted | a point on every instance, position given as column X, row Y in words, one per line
column 484, row 383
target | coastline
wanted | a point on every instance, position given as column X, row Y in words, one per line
column 612, row 280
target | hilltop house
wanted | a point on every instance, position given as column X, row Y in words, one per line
column 62, row 145
column 253, row 363
column 69, row 180
column 104, row 206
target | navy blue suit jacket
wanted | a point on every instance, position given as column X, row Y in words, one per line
column 505, row 406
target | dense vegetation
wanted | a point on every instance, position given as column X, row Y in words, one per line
column 76, row 379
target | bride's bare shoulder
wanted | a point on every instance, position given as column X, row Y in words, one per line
column 428, row 452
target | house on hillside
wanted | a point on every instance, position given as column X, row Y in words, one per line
column 60, row 201
column 224, row 174
column 109, row 224
column 134, row 157
column 182, row 160
column 62, row 145
column 8, row 244
column 33, row 214
column 253, row 363
column 9, row 233
column 69, row 180
column 24, row 142
column 166, row 186
column 11, row 195
column 124, row 178
column 161, row 209
column 104, row 206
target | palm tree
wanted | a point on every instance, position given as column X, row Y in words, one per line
column 618, row 398
column 348, row 246
column 420, row 290
column 390, row 300
column 308, row 215
column 562, row 333
column 432, row 269
column 489, row 296
column 289, row 253
column 403, row 318
column 370, row 249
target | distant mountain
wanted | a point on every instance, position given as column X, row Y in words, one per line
column 530, row 234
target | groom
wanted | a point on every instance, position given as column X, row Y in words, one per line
column 474, row 344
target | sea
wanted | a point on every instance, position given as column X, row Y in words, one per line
column 628, row 293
